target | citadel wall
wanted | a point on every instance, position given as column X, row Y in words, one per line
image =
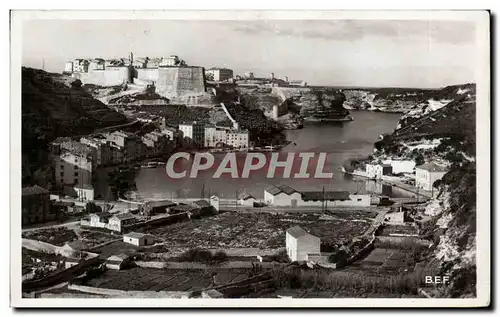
column 170, row 82
column 112, row 76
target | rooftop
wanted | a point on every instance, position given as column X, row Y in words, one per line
column 297, row 232
column 201, row 203
column 102, row 214
column 118, row 257
column 124, row 216
column 34, row 190
column 327, row 195
column 276, row 189
column 432, row 167
column 162, row 203
column 135, row 235
column 245, row 196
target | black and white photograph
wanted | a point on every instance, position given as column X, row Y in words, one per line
column 250, row 159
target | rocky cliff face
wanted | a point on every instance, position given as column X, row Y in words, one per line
column 445, row 132
column 55, row 105
column 405, row 100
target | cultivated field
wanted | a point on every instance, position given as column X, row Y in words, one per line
column 93, row 238
column 383, row 261
column 260, row 230
column 142, row 279
column 56, row 236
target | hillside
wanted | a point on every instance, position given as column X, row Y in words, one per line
column 402, row 100
column 447, row 133
column 55, row 105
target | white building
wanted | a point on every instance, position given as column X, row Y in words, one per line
column 401, row 166
column 68, row 67
column 117, row 222
column 246, row 200
column 214, row 136
column 282, row 195
column 117, row 262
column 299, row 243
column 193, row 134
column 237, row 138
column 100, row 219
column 396, row 218
column 73, row 164
column 426, row 174
column 172, row 60
column 378, row 170
column 84, row 192
column 219, row 74
column 138, row 239
column 249, row 75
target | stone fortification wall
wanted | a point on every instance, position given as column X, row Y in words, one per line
column 147, row 74
column 181, row 81
column 111, row 76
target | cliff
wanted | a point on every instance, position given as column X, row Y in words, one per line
column 445, row 132
column 55, row 105
column 401, row 100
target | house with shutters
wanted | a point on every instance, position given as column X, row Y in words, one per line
column 300, row 243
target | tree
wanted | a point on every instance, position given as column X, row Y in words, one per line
column 92, row 208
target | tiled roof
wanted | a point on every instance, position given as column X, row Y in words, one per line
column 135, row 235
column 327, row 195
column 85, row 186
column 34, row 190
column 273, row 190
column 118, row 257
column 102, row 214
column 162, row 203
column 124, row 216
column 201, row 203
column 296, row 232
column 286, row 189
column 432, row 167
column 246, row 196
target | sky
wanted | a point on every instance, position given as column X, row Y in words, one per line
column 362, row 53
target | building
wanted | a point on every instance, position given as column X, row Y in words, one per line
column 80, row 65
column 396, row 218
column 36, row 206
column 246, row 200
column 299, row 243
column 219, row 74
column 215, row 136
column 401, row 166
column 73, row 162
column 117, row 222
column 138, row 239
column 237, row 138
column 193, row 134
column 128, row 143
column 70, row 262
column 426, row 174
column 100, row 219
column 172, row 60
column 84, row 192
column 62, row 208
column 215, row 202
column 172, row 134
column 102, row 148
column 159, row 206
column 299, row 83
column 68, row 67
column 249, row 75
column 378, row 170
column 117, row 262
column 155, row 142
column 334, row 199
column 282, row 195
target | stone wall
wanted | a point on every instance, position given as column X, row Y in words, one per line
column 112, row 76
column 181, row 81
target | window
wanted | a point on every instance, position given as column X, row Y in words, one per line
column 76, row 174
column 359, row 199
column 62, row 174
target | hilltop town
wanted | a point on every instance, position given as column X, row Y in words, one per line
column 131, row 113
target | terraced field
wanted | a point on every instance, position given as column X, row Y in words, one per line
column 261, row 230
column 142, row 279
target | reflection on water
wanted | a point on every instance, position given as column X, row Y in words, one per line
column 340, row 142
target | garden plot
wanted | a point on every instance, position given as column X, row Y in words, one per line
column 56, row 236
column 94, row 238
column 142, row 279
column 258, row 230
column 385, row 262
